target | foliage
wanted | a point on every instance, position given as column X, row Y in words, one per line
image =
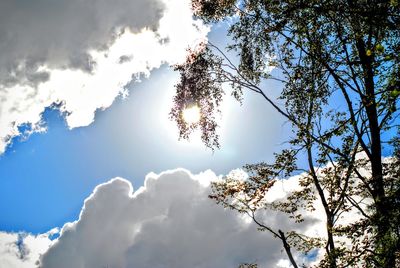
column 338, row 63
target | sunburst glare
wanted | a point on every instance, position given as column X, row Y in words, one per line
column 191, row 114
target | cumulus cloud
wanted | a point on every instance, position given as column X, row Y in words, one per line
column 81, row 54
column 170, row 222
column 21, row 250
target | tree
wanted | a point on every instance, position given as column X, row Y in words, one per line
column 324, row 52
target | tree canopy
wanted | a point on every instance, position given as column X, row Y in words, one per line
column 338, row 63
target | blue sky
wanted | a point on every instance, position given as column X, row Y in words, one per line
column 106, row 167
column 46, row 177
column 58, row 169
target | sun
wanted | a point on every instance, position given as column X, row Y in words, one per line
column 191, row 114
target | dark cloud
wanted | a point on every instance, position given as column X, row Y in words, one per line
column 60, row 33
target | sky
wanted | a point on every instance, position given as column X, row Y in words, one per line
column 92, row 173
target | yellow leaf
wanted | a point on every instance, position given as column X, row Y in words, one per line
column 379, row 48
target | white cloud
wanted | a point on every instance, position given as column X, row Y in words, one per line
column 170, row 222
column 82, row 54
column 21, row 250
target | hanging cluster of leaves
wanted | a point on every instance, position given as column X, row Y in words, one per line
column 338, row 63
column 200, row 86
